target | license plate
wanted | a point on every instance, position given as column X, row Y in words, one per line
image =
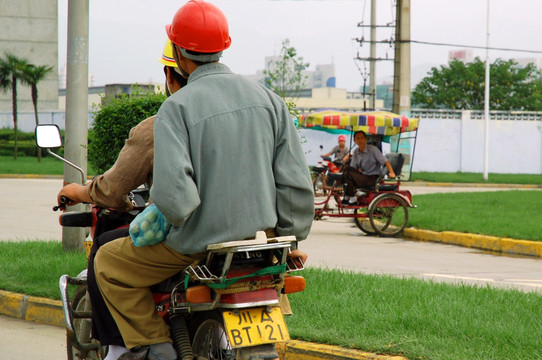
column 88, row 246
column 249, row 327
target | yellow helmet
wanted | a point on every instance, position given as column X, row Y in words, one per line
column 167, row 55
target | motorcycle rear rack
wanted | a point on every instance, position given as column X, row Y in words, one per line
column 204, row 275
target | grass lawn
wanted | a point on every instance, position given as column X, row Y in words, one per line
column 30, row 165
column 383, row 314
column 516, row 213
column 473, row 178
column 415, row 318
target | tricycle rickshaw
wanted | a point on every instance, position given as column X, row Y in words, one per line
column 382, row 209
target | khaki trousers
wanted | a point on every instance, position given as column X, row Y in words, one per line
column 124, row 274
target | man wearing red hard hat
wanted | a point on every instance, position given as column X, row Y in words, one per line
column 340, row 152
column 224, row 147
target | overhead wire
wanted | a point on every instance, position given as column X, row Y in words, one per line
column 472, row 46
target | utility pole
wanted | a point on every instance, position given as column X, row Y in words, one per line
column 486, row 103
column 372, row 67
column 372, row 59
column 75, row 148
column 401, row 74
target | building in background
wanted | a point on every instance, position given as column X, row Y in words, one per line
column 323, row 76
column 331, row 98
column 537, row 62
column 30, row 31
column 100, row 95
column 464, row 55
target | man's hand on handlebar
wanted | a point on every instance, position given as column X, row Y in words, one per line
column 72, row 194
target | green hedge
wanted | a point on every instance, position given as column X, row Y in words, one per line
column 8, row 134
column 112, row 125
column 24, row 148
column 26, row 144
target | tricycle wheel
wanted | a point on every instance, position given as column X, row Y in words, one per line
column 363, row 223
column 388, row 214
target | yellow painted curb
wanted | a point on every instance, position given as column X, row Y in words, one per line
column 302, row 350
column 492, row 243
column 31, row 308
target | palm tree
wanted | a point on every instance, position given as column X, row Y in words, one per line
column 12, row 68
column 31, row 76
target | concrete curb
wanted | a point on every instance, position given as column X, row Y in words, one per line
column 483, row 242
column 302, row 350
column 30, row 176
column 31, row 308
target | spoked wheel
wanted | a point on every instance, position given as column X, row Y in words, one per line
column 364, row 224
column 210, row 340
column 388, row 214
column 319, row 185
column 82, row 328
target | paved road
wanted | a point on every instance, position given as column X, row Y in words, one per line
column 21, row 339
column 337, row 243
column 25, row 207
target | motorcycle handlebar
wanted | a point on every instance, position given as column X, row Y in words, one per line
column 63, row 201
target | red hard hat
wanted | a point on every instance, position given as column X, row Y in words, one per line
column 201, row 27
column 342, row 138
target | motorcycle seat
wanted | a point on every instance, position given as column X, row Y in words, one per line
column 335, row 176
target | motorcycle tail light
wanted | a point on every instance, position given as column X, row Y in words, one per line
column 293, row 284
column 198, row 294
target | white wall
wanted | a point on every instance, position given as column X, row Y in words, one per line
column 454, row 141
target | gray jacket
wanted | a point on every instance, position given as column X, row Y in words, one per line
column 228, row 162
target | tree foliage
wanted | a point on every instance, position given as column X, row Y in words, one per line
column 31, row 76
column 285, row 75
column 112, row 125
column 11, row 71
column 461, row 86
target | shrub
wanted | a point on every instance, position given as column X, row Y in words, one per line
column 7, row 135
column 112, row 125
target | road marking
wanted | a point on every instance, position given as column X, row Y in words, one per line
column 460, row 277
column 536, row 283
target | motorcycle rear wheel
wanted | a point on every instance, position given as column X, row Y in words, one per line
column 82, row 328
column 210, row 340
column 319, row 185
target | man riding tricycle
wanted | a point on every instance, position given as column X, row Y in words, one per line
column 367, row 188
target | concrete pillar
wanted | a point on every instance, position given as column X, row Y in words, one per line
column 76, row 110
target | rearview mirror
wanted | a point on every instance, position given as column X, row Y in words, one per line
column 48, row 136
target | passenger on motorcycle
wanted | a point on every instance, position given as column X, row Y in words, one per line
column 340, row 152
column 206, row 183
column 132, row 168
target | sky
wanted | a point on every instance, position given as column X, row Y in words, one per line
column 126, row 37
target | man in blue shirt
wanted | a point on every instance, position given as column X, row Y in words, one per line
column 364, row 169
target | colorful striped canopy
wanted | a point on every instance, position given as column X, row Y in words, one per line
column 375, row 122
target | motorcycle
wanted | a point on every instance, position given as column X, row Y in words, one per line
column 225, row 307
column 321, row 181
